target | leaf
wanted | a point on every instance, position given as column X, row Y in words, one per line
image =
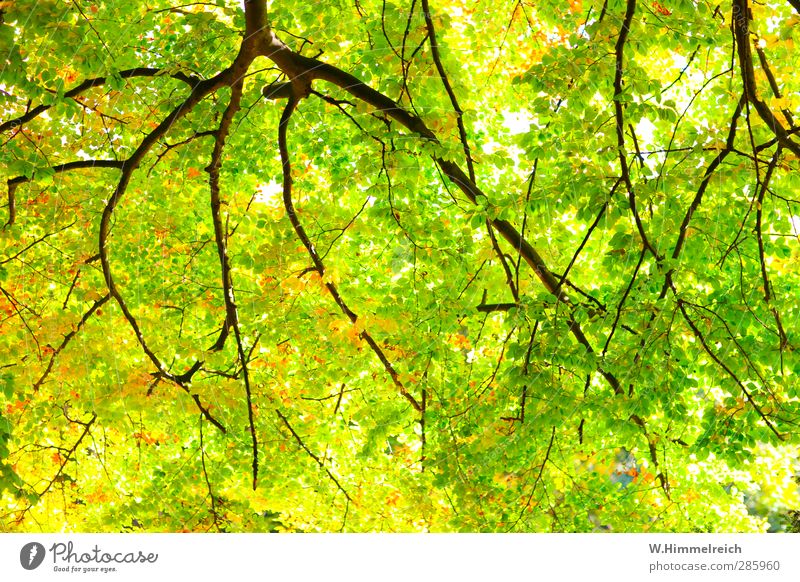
column 7, row 385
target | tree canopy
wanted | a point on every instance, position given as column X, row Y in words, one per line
column 427, row 265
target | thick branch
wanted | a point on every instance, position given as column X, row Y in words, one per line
column 698, row 197
column 619, row 49
column 303, row 70
column 232, row 314
column 437, row 59
column 255, row 18
column 741, row 25
column 198, row 93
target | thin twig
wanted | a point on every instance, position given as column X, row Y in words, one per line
column 311, row 454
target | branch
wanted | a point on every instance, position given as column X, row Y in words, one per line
column 14, row 182
column 97, row 305
column 651, row 445
column 698, row 197
column 553, row 286
column 622, row 302
column 311, row 454
column 742, row 16
column 538, row 478
column 71, row 288
column 86, row 426
column 698, row 334
column 16, row 306
column 493, row 307
column 768, row 292
column 211, row 495
column 509, row 276
column 232, row 314
column 693, row 206
column 168, row 147
column 303, row 70
column 437, row 59
column 590, row 230
column 319, row 266
column 619, row 48
column 36, row 242
column 200, row 91
column 525, row 372
column 773, row 84
column 97, row 82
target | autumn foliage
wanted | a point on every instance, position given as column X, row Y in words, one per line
column 383, row 266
